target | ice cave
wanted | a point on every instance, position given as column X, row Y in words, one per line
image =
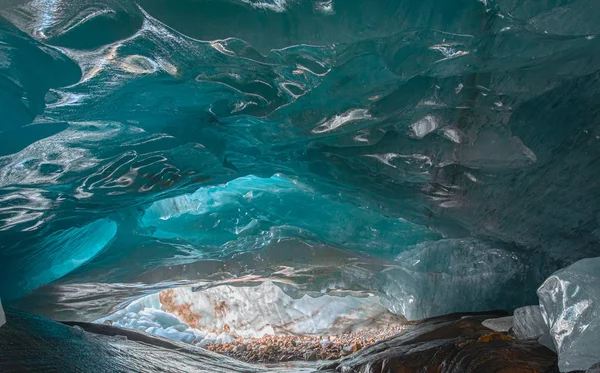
column 338, row 186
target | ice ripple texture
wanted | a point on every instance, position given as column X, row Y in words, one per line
column 569, row 305
column 140, row 138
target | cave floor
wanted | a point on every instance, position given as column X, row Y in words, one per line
column 275, row 349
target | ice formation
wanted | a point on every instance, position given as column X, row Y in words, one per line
column 146, row 315
column 31, row 343
column 529, row 322
column 427, row 156
column 216, row 314
column 440, row 277
column 500, row 324
column 2, row 315
column 570, row 307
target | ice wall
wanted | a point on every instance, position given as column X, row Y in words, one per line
column 445, row 276
column 130, row 131
column 222, row 313
column 2, row 316
column 569, row 301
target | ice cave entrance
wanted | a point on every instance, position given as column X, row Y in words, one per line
column 233, row 315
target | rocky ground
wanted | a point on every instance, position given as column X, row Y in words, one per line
column 274, row 349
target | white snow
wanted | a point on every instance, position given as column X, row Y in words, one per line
column 500, row 324
column 255, row 311
column 223, row 313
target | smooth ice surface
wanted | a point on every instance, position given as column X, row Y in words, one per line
column 500, row 324
column 529, row 322
column 570, row 306
column 440, row 277
column 441, row 155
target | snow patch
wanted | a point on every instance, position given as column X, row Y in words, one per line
column 223, row 313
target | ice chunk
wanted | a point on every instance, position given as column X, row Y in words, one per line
column 145, row 315
column 529, row 323
column 500, row 324
column 166, row 319
column 2, row 317
column 225, row 338
column 570, row 305
column 453, row 275
column 179, row 327
column 135, row 307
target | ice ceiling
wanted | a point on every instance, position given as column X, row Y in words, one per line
column 443, row 156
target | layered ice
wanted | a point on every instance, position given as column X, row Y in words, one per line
column 246, row 213
column 448, row 151
column 265, row 309
column 217, row 314
column 146, row 315
column 529, row 322
column 500, row 324
column 569, row 302
column 31, row 343
column 2, row 315
column 452, row 275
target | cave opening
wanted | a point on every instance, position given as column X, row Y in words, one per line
column 356, row 186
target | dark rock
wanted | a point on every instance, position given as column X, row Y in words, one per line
column 594, row 368
column 456, row 343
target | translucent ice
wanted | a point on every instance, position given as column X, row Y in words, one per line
column 137, row 137
column 529, row 323
column 254, row 311
column 145, row 315
column 2, row 316
column 453, row 275
column 500, row 324
column 570, row 305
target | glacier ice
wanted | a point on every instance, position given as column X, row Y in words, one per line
column 211, row 315
column 569, row 304
column 529, row 322
column 2, row 315
column 263, row 206
column 441, row 156
column 500, row 324
column 146, row 315
column 64, row 251
column 32, row 343
column 452, row 275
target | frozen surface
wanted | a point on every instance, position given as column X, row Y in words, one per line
column 569, row 302
column 216, row 314
column 447, row 150
column 146, row 315
column 253, row 311
column 32, row 343
column 529, row 322
column 436, row 278
column 500, row 324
